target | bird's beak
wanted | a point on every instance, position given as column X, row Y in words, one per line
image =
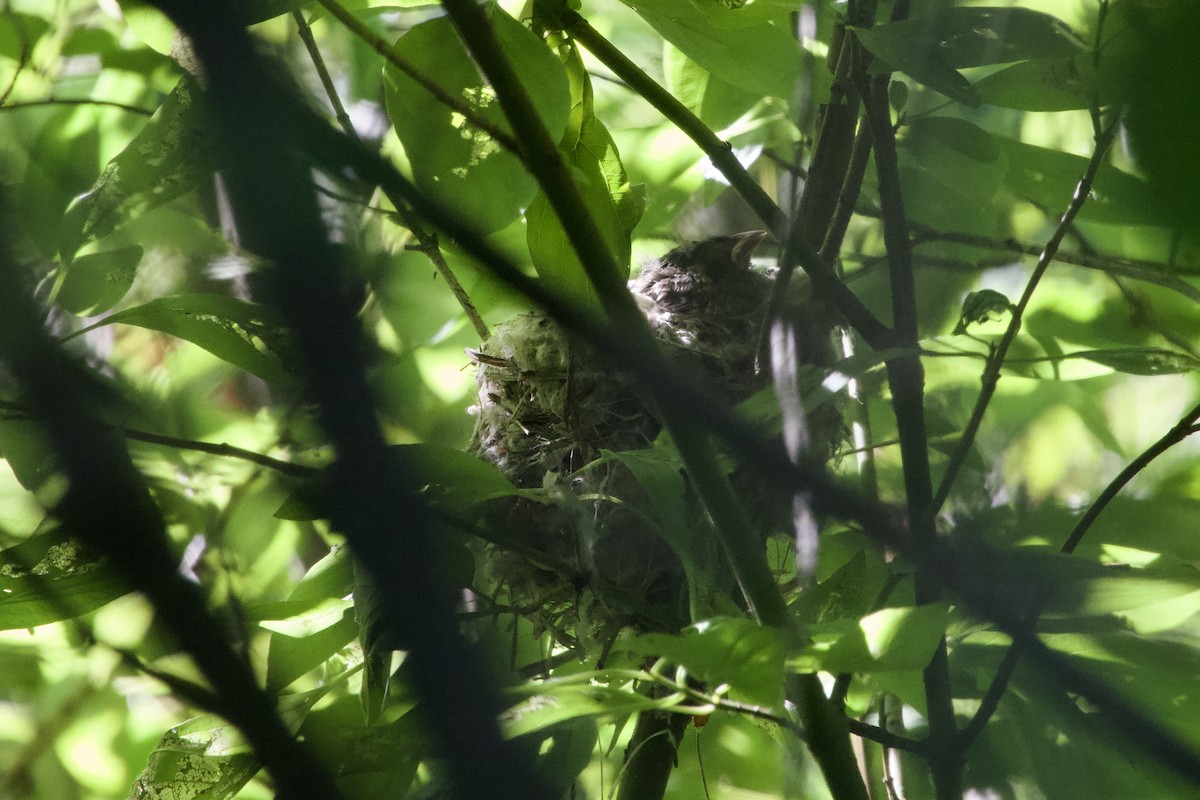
column 744, row 245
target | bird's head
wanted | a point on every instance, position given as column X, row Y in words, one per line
column 717, row 257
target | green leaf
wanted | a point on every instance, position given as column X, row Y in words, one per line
column 1043, row 85
column 978, row 307
column 977, row 36
column 290, row 657
column 27, row 449
column 889, row 640
column 931, row 49
column 959, row 155
column 753, row 55
column 1164, row 111
column 449, row 476
column 1143, row 360
column 1047, row 178
column 453, row 161
column 19, row 32
column 556, row 703
column 740, row 652
column 1150, row 600
column 614, row 205
column 96, row 282
column 168, row 158
column 199, row 759
column 664, row 502
column 717, row 102
column 923, row 64
column 245, row 334
column 49, row 578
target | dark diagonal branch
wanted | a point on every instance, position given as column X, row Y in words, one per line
column 386, row 520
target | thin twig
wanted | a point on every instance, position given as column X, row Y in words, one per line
column 380, row 46
column 76, row 101
column 23, row 58
column 1146, row 271
column 427, row 242
column 991, row 373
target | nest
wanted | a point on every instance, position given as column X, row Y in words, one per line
column 548, row 409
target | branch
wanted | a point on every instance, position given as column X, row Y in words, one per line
column 381, row 46
column 907, row 379
column 1146, row 271
column 72, row 101
column 427, row 242
column 825, row 282
column 991, row 373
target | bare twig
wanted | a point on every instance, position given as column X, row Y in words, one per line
column 427, row 242
column 380, row 46
column 76, row 101
column 991, row 373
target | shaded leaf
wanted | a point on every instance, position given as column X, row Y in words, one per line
column 1044, row 85
column 245, row 334
column 96, row 282
column 1047, row 178
column 1143, row 360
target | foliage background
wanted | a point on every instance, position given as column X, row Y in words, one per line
column 117, row 228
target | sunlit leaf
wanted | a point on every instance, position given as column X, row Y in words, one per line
column 452, row 160
column 168, row 158
column 200, row 759
column 740, row 652
column 50, row 577
column 758, row 56
column 889, row 640
column 557, row 703
column 614, row 205
column 291, row 656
